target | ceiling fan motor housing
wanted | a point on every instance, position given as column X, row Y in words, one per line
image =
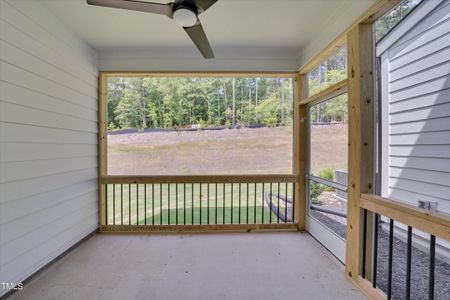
column 186, row 16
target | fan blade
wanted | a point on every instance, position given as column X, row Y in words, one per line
column 203, row 5
column 150, row 7
column 198, row 36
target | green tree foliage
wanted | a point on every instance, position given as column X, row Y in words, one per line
column 138, row 102
column 330, row 72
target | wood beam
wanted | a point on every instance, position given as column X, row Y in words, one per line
column 102, row 120
column 328, row 93
column 361, row 110
column 300, row 150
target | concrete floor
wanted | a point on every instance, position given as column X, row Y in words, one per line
column 194, row 266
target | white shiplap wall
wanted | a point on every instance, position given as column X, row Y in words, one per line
column 416, row 106
column 48, row 139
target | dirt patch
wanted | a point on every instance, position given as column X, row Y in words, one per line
column 228, row 151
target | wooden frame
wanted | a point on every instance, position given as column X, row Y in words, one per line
column 300, row 149
column 102, row 124
column 251, row 178
column 361, row 109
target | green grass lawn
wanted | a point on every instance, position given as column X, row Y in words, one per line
column 187, row 204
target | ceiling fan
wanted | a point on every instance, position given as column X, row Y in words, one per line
column 185, row 12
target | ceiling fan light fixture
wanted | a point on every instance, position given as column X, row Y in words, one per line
column 185, row 17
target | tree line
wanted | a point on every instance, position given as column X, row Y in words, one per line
column 329, row 72
column 167, row 102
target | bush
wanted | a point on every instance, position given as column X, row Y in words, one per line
column 327, row 174
column 111, row 126
column 271, row 121
column 316, row 189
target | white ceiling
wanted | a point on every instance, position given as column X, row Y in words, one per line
column 239, row 31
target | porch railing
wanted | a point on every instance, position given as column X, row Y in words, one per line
column 391, row 265
column 193, row 202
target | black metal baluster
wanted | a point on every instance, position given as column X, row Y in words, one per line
column 184, row 203
column 278, row 205
column 137, row 204
column 232, row 203
column 285, row 203
column 160, row 204
column 223, row 202
column 200, row 203
column 145, row 204
column 391, row 249
column 262, row 204
column 364, row 248
column 129, row 204
column 293, row 202
column 168, row 203
column 432, row 267
column 121, row 204
column 106, row 204
column 254, row 208
column 207, row 204
column 114, row 204
column 246, row 219
column 176, row 203
column 408, row 264
column 216, row 202
column 270, row 205
column 375, row 252
column 153, row 204
column 239, row 210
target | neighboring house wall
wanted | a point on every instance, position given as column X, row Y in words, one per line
column 48, row 139
column 415, row 60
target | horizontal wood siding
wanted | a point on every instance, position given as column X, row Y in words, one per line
column 416, row 101
column 48, row 139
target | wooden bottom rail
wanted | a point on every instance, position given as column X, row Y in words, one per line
column 366, row 287
column 197, row 228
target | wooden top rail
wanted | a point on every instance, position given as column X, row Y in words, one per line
column 198, row 179
column 424, row 220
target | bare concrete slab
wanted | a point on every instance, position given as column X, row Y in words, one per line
column 194, row 266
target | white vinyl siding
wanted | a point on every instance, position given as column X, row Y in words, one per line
column 416, row 107
column 48, row 139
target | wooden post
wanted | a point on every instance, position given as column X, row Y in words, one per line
column 300, row 150
column 102, row 121
column 361, row 137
